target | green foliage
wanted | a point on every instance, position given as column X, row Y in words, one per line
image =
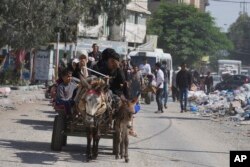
column 239, row 33
column 186, row 33
column 27, row 23
column 32, row 23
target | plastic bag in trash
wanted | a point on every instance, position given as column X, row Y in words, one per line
column 137, row 108
column 193, row 108
column 239, row 110
column 246, row 87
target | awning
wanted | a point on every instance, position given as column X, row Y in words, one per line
column 133, row 6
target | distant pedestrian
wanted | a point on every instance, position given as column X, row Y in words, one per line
column 166, row 73
column 183, row 82
column 209, row 82
column 160, row 85
column 136, row 82
column 96, row 54
column 145, row 67
column 175, row 91
column 64, row 62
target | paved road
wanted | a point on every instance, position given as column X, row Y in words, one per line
column 171, row 139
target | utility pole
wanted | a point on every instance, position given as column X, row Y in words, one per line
column 243, row 6
column 57, row 55
column 125, row 21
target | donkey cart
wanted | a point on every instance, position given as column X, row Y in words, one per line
column 100, row 114
column 63, row 127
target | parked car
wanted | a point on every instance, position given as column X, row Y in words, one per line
column 232, row 82
column 216, row 78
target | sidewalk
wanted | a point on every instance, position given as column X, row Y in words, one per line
column 22, row 95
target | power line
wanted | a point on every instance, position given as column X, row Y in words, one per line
column 243, row 4
column 231, row 1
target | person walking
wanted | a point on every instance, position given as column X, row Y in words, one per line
column 183, row 82
column 175, row 91
column 136, row 82
column 209, row 82
column 166, row 82
column 160, row 85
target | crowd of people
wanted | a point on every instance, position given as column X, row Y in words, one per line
column 127, row 79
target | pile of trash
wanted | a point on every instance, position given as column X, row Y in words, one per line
column 235, row 104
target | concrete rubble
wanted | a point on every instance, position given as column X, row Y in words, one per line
column 234, row 105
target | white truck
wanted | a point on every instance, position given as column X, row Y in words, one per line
column 157, row 55
column 231, row 67
column 153, row 57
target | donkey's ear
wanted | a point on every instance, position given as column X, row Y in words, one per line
column 84, row 82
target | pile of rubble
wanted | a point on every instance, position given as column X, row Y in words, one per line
column 235, row 104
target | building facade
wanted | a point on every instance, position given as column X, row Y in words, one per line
column 200, row 4
column 132, row 31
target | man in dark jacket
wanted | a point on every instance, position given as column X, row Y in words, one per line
column 209, row 82
column 110, row 66
column 96, row 54
column 183, row 82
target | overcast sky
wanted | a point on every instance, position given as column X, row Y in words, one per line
column 226, row 13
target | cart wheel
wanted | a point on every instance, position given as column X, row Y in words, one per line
column 57, row 140
column 148, row 98
column 152, row 97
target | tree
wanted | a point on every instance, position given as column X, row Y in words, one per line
column 186, row 33
column 27, row 24
column 239, row 33
column 115, row 10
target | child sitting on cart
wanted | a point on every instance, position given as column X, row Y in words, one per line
column 65, row 91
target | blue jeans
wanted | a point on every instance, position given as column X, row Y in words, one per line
column 165, row 93
column 183, row 98
column 159, row 95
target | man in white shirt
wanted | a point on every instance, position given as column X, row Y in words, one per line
column 160, row 85
column 145, row 67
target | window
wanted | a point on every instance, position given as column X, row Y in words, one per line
column 141, row 19
column 131, row 18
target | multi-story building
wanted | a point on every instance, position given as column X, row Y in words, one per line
column 133, row 30
column 200, row 4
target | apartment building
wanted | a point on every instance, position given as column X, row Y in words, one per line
column 132, row 31
column 200, row 4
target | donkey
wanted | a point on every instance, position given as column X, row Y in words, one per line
column 123, row 117
column 92, row 105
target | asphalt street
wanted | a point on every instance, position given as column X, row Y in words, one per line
column 171, row 139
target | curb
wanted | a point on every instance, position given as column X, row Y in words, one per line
column 27, row 88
